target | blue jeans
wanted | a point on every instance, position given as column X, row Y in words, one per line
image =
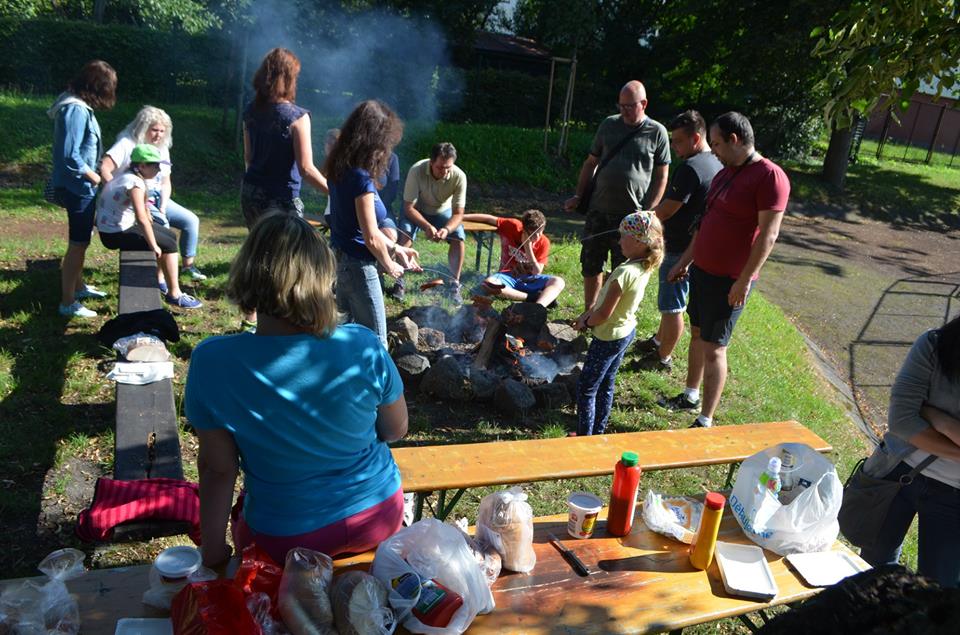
column 186, row 221
column 595, row 386
column 938, row 506
column 438, row 220
column 359, row 296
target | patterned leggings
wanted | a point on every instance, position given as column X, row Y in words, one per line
column 595, row 386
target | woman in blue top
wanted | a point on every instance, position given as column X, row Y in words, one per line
column 355, row 164
column 277, row 148
column 304, row 407
column 77, row 147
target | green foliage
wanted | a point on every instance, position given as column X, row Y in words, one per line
column 878, row 49
column 192, row 16
column 42, row 55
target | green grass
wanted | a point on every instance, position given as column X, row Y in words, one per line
column 57, row 408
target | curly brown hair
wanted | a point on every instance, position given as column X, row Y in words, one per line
column 532, row 220
column 96, row 84
column 276, row 79
column 367, row 138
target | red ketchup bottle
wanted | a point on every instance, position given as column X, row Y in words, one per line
column 623, row 495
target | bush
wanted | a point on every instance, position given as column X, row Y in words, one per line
column 172, row 67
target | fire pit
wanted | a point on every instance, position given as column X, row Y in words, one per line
column 516, row 357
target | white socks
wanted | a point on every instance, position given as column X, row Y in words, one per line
column 706, row 422
column 656, row 341
column 693, row 394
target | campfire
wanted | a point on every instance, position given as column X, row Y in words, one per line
column 515, row 358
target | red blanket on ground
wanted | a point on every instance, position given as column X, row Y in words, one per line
column 116, row 502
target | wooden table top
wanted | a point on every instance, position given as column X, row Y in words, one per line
column 445, row 467
column 639, row 584
column 473, row 226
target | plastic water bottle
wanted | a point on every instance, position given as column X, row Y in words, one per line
column 770, row 479
column 623, row 494
column 788, row 464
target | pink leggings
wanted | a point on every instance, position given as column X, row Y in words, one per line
column 355, row 534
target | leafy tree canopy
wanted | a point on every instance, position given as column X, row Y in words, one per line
column 192, row 16
column 875, row 49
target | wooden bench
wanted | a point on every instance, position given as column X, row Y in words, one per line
column 147, row 443
column 484, row 235
column 642, row 583
column 441, row 468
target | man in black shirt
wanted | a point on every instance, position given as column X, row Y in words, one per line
column 680, row 209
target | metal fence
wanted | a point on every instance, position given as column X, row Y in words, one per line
column 926, row 133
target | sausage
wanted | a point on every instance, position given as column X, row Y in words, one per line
column 436, row 282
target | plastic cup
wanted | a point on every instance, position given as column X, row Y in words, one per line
column 174, row 564
column 584, row 508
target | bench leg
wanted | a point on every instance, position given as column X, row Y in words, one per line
column 418, row 510
column 489, row 253
column 752, row 626
column 444, row 511
column 730, row 473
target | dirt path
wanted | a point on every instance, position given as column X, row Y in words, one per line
column 862, row 291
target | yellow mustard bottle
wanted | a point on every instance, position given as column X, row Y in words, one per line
column 705, row 542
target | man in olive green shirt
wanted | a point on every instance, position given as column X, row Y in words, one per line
column 634, row 179
column 434, row 199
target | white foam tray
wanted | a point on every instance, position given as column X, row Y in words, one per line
column 745, row 571
column 824, row 568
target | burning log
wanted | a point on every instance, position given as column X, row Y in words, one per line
column 490, row 338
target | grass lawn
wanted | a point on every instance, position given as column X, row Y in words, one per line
column 57, row 408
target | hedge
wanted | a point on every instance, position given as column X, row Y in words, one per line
column 173, row 67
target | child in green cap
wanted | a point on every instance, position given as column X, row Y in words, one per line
column 125, row 224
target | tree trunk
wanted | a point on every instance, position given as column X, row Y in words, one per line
column 838, row 157
column 98, row 8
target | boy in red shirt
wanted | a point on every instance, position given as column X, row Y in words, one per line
column 523, row 255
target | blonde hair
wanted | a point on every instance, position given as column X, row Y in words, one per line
column 286, row 270
column 653, row 239
column 146, row 117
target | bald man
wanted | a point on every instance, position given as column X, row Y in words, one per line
column 628, row 165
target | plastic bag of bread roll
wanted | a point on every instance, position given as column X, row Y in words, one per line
column 487, row 557
column 304, row 597
column 505, row 520
column 360, row 605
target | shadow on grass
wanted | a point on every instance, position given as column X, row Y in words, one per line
column 35, row 415
column 906, row 309
column 879, row 193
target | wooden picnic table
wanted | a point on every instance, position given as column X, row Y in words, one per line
column 438, row 468
column 639, row 584
column 483, row 233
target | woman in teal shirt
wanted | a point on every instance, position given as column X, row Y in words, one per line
column 304, row 407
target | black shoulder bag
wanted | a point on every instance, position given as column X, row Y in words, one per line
column 583, row 205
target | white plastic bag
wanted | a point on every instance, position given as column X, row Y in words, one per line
column 505, row 520
column 304, row 596
column 433, row 551
column 677, row 517
column 801, row 520
column 34, row 608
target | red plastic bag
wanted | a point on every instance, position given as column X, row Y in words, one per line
column 217, row 607
column 258, row 573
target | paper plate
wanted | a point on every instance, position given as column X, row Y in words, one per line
column 144, row 626
column 824, row 568
column 178, row 562
column 745, row 572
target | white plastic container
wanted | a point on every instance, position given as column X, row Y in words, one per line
column 745, row 572
column 584, row 508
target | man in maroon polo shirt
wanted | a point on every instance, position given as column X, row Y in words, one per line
column 744, row 208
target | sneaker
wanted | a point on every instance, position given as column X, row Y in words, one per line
column 647, row 346
column 652, row 362
column 185, row 301
column 76, row 310
column 89, row 291
column 455, row 294
column 193, row 273
column 398, row 292
column 680, row 402
column 698, row 424
column 162, row 285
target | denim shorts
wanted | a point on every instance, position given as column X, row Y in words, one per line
column 81, row 210
column 525, row 284
column 709, row 309
column 438, row 220
column 255, row 201
column 672, row 296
